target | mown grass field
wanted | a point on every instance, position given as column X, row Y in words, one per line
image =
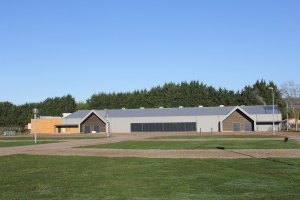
column 49, row 138
column 23, row 143
column 217, row 136
column 80, row 177
column 70, row 177
column 211, row 144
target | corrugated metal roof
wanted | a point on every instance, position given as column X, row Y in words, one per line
column 78, row 114
column 168, row 112
column 165, row 112
column 260, row 110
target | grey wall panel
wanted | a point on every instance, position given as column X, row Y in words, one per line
column 208, row 123
column 71, row 120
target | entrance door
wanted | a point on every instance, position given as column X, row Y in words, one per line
column 248, row 127
column 97, row 128
column 236, row 127
column 87, row 129
column 59, row 129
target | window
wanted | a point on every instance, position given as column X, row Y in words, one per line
column 163, row 127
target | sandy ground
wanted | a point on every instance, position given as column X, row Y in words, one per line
column 66, row 148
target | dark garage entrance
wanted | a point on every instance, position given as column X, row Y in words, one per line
column 164, row 127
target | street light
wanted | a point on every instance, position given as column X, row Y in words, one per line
column 287, row 116
column 35, row 111
column 271, row 88
column 107, row 124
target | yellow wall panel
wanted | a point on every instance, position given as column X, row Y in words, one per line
column 45, row 125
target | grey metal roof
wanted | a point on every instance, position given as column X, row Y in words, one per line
column 168, row 112
column 78, row 114
column 165, row 112
column 259, row 110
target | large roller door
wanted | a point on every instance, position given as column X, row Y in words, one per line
column 163, row 127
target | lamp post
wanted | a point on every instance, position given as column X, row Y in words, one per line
column 287, row 116
column 107, row 124
column 273, row 128
column 35, row 111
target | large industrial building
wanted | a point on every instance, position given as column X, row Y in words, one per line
column 195, row 119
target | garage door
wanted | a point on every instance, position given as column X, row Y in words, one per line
column 97, row 128
column 87, row 129
column 163, row 127
column 236, row 127
column 248, row 127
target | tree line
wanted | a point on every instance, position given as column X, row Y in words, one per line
column 192, row 94
column 18, row 115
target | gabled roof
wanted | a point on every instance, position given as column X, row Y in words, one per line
column 98, row 114
column 168, row 112
column 241, row 110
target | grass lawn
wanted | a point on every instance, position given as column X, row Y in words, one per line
column 15, row 144
column 217, row 136
column 67, row 177
column 49, row 138
column 212, row 144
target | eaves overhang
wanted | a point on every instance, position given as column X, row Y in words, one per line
column 60, row 125
column 268, row 122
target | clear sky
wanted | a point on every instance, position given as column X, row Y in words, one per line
column 52, row 48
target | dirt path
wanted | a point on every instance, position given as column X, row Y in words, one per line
column 66, row 148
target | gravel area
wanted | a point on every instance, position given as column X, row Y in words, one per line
column 66, row 148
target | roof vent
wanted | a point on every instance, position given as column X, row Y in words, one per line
column 142, row 108
column 200, row 106
column 180, row 106
column 221, row 105
column 161, row 107
column 123, row 108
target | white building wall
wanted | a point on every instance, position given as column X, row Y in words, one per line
column 259, row 118
column 71, row 120
column 119, row 125
column 205, row 123
column 268, row 127
column 208, row 123
column 163, row 119
column 267, row 118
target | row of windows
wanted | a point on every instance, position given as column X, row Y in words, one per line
column 163, row 127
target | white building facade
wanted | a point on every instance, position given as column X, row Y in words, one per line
column 195, row 119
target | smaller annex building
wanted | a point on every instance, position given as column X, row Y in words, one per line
column 194, row 119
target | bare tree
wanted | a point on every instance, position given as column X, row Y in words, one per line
column 291, row 92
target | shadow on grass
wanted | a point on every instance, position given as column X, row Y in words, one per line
column 276, row 161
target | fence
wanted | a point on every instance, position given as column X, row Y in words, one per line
column 8, row 129
column 291, row 127
column 9, row 133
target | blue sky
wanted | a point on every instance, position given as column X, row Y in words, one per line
column 52, row 48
